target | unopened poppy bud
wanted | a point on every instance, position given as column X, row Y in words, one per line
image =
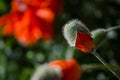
column 78, row 35
column 58, row 70
column 45, row 72
column 99, row 36
column 70, row 69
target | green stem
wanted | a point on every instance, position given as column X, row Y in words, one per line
column 112, row 69
column 87, row 67
column 113, row 28
column 69, row 53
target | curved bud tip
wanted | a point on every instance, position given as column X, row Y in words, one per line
column 78, row 35
column 71, row 28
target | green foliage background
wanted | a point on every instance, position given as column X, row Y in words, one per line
column 18, row 62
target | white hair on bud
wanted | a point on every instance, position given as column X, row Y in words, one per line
column 46, row 72
column 71, row 28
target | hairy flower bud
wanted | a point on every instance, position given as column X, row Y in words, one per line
column 78, row 35
column 45, row 72
column 58, row 70
column 70, row 69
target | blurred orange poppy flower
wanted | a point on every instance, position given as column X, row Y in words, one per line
column 30, row 20
column 70, row 69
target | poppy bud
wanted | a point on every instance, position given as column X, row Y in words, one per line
column 58, row 70
column 99, row 36
column 70, row 69
column 45, row 72
column 78, row 35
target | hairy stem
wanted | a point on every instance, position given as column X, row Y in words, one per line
column 87, row 67
column 111, row 68
column 113, row 28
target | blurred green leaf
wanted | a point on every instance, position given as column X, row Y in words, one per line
column 3, row 7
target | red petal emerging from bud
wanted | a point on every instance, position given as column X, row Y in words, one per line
column 84, row 42
column 70, row 69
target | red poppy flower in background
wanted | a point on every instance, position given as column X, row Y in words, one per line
column 30, row 20
column 70, row 69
